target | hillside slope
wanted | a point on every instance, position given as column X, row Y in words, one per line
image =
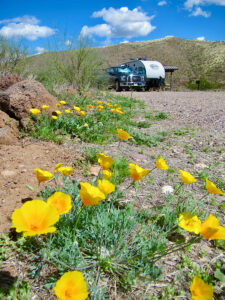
column 195, row 59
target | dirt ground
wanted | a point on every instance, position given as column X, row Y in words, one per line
column 199, row 115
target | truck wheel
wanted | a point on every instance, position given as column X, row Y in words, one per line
column 118, row 88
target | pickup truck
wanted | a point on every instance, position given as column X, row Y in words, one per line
column 124, row 78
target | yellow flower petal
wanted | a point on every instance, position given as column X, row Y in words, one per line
column 105, row 161
column 90, row 195
column 161, row 164
column 212, row 188
column 76, row 108
column 200, row 290
column 189, row 222
column 65, row 170
column 35, row 111
column 45, row 106
column 54, row 117
column 211, row 229
column 42, row 175
column 62, row 202
column 82, row 113
column 137, row 172
column 62, row 102
column 107, row 174
column 186, row 177
column 71, row 286
column 58, row 112
column 35, row 217
column 67, row 111
column 123, row 135
column 57, row 167
column 106, row 186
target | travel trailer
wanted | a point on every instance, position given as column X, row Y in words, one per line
column 153, row 71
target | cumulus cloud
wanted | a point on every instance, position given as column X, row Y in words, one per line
column 199, row 12
column 119, row 23
column 189, row 4
column 124, row 42
column 162, row 3
column 24, row 27
column 194, row 6
column 68, row 43
column 40, row 50
column 201, row 38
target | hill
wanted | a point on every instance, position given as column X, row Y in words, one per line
column 195, row 59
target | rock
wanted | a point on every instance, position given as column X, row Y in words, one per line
column 200, row 166
column 8, row 173
column 8, row 80
column 94, row 170
column 167, row 189
column 17, row 100
column 8, row 130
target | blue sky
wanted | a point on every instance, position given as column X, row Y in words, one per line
column 37, row 23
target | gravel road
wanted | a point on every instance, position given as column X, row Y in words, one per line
column 202, row 109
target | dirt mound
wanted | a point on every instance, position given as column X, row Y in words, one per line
column 8, row 130
column 8, row 80
column 17, row 100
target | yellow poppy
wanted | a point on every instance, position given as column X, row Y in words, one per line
column 105, row 161
column 137, row 172
column 35, row 217
column 65, row 170
column 107, row 174
column 54, row 117
column 189, row 222
column 58, row 104
column 57, row 167
column 211, row 229
column 62, row 202
column 82, row 113
column 99, row 102
column 201, row 290
column 113, row 110
column 67, row 111
column 186, row 177
column 58, row 112
column 106, row 186
column 35, row 111
column 212, row 188
column 76, row 108
column 42, row 175
column 89, row 106
column 161, row 164
column 45, row 106
column 90, row 195
column 71, row 286
column 123, row 135
column 62, row 102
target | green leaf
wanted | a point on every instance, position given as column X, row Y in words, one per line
column 219, row 275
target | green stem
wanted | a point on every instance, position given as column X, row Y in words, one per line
column 75, row 225
column 203, row 197
column 179, row 187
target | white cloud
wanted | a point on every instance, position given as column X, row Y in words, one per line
column 201, row 38
column 199, row 12
column 25, row 27
column 68, row 43
column 124, row 42
column 189, row 4
column 119, row 23
column 40, row 50
column 162, row 3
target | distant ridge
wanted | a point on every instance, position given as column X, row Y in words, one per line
column 195, row 59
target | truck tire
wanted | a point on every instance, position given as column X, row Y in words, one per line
column 118, row 88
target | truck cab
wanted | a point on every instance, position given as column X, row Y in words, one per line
column 123, row 77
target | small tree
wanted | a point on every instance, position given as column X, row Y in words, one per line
column 12, row 56
column 79, row 66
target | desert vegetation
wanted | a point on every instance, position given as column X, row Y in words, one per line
column 136, row 215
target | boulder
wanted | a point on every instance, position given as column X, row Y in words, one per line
column 8, row 130
column 17, row 100
column 7, row 80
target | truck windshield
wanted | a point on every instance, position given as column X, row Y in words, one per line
column 124, row 70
